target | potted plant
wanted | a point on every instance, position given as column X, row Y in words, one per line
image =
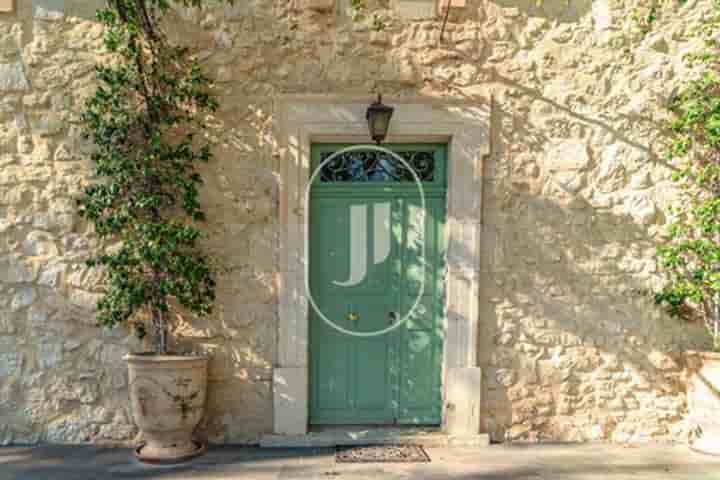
column 691, row 255
column 143, row 121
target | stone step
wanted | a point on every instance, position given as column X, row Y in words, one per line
column 332, row 437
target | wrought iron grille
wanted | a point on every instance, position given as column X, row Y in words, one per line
column 372, row 166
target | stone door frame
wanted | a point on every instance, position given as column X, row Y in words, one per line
column 465, row 127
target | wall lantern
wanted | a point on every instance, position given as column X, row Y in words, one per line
column 378, row 117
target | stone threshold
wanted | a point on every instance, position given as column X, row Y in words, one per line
column 348, row 436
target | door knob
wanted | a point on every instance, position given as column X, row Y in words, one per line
column 392, row 317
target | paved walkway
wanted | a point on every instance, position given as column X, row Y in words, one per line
column 497, row 462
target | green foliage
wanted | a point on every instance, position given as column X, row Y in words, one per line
column 691, row 256
column 377, row 23
column 145, row 121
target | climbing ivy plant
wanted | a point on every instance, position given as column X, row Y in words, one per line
column 146, row 121
column 691, row 256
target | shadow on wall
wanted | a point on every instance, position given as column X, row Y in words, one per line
column 240, row 196
column 572, row 345
column 79, row 392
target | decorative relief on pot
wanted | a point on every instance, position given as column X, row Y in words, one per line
column 168, row 402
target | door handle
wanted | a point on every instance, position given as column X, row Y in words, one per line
column 392, row 317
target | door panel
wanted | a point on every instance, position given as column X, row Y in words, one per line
column 355, row 293
column 420, row 393
column 366, row 263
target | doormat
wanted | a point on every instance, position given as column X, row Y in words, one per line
column 382, row 454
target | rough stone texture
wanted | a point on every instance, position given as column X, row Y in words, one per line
column 12, row 77
column 575, row 190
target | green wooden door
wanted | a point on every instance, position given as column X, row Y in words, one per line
column 367, row 228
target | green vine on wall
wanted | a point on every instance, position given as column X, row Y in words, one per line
column 691, row 255
column 146, row 121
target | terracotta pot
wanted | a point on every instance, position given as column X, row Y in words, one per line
column 704, row 400
column 167, row 394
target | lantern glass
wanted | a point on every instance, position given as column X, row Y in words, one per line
column 378, row 116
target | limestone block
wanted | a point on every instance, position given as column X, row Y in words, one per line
column 7, row 5
column 113, row 354
column 75, row 389
column 12, row 78
column 38, row 243
column 238, row 411
column 19, row 195
column 76, row 246
column 24, row 297
column 443, row 4
column 506, row 377
column 602, row 14
column 49, row 10
column 263, row 246
column 611, row 175
column 657, row 43
column 641, row 208
column 518, row 432
column 16, row 174
column 86, row 300
column 51, row 274
column 7, row 326
column 401, row 70
column 415, row 9
column 463, row 400
column 46, row 125
column 11, row 361
column 16, row 270
column 291, row 401
column 25, row 144
column 37, row 316
column 117, row 431
column 85, row 9
column 10, row 41
column 567, row 156
column 662, row 361
column 318, row 5
column 71, row 429
column 49, row 352
column 640, row 181
column 466, row 74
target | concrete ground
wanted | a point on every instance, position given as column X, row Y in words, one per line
column 497, row 462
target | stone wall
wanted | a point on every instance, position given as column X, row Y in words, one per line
column 571, row 344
